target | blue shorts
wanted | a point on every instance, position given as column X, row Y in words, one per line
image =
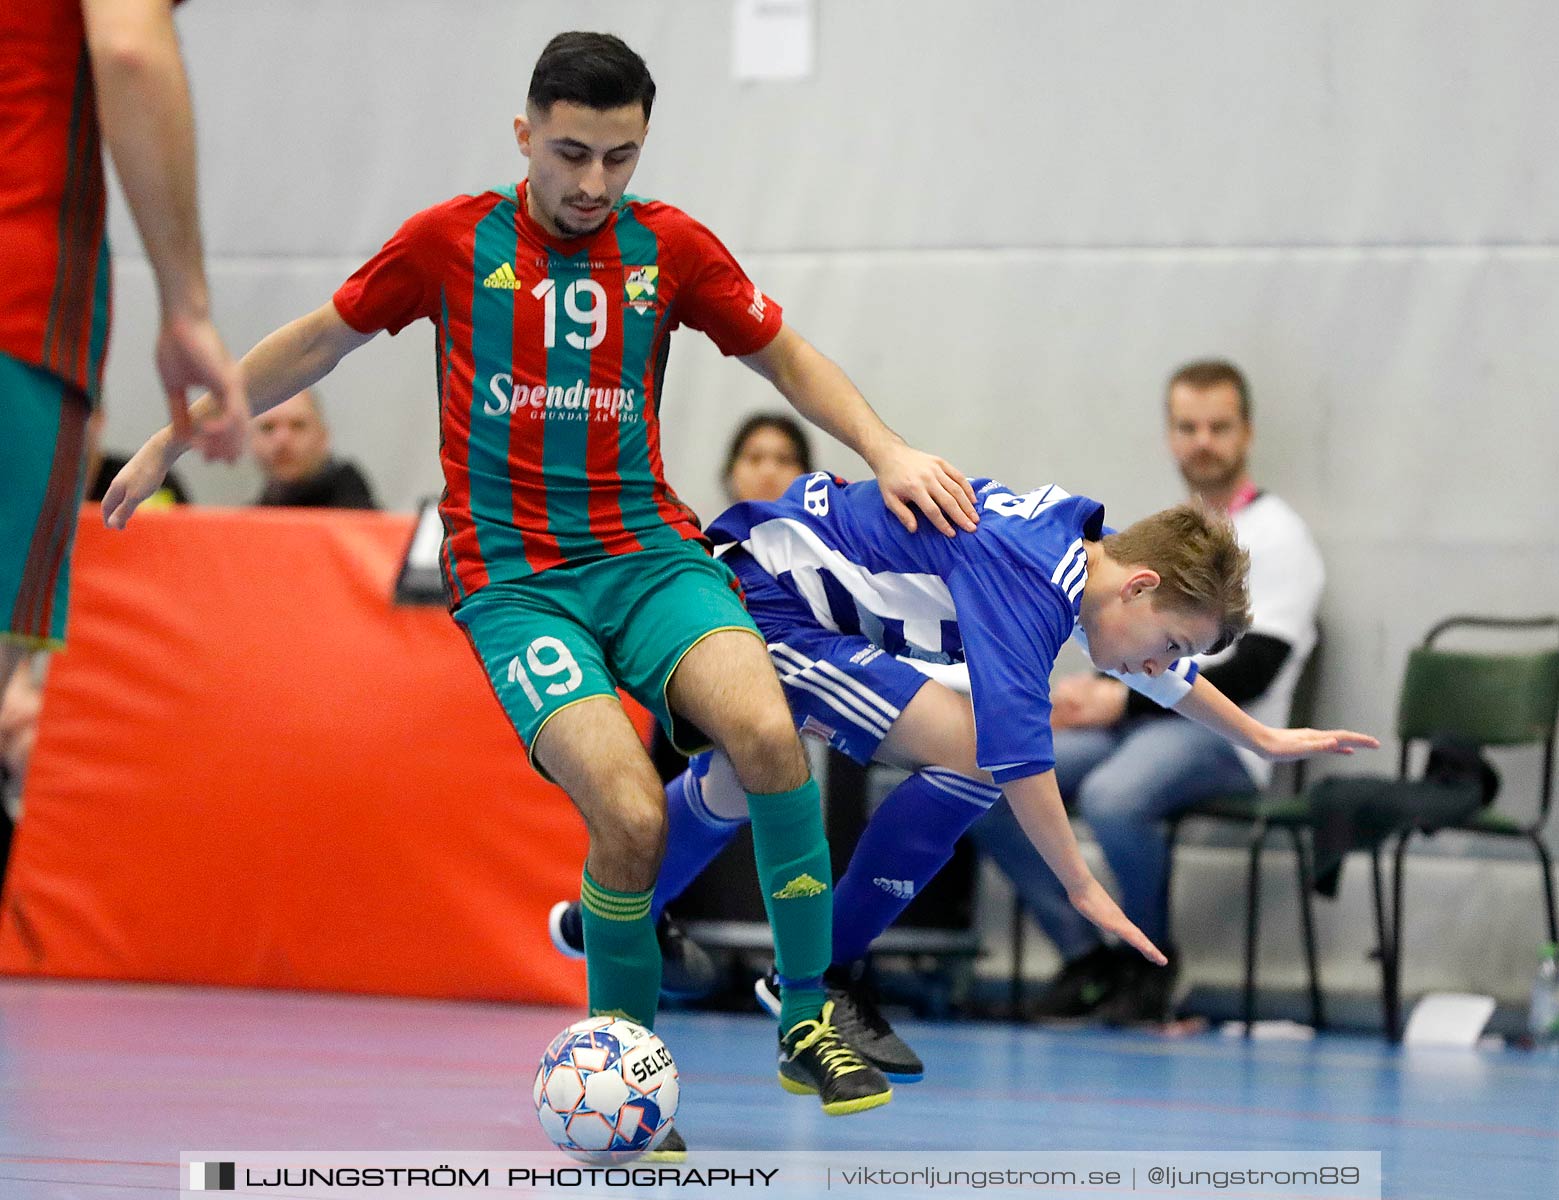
column 842, row 688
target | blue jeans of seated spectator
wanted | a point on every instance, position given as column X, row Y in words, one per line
column 1123, row 780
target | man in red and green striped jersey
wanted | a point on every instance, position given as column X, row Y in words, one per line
column 77, row 73
column 569, row 562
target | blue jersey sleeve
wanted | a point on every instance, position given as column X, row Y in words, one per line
column 1012, row 633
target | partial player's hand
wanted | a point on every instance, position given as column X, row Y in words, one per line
column 1090, row 702
column 190, row 354
column 137, row 479
column 1282, row 745
column 1095, row 903
column 1065, row 711
column 1069, row 702
column 20, row 703
column 933, row 485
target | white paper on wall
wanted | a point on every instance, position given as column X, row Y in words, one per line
column 773, row 39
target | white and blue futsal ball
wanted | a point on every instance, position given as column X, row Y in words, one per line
column 606, row 1089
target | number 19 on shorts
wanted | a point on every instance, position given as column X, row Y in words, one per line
column 544, row 660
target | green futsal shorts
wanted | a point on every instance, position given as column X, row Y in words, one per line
column 578, row 632
column 42, row 473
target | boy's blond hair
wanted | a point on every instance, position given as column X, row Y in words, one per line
column 1202, row 567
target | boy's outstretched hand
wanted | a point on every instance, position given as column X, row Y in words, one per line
column 1281, row 745
column 1095, row 903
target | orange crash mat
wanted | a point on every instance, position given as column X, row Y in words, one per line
column 254, row 770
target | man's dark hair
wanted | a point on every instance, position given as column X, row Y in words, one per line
column 595, row 70
column 1210, row 372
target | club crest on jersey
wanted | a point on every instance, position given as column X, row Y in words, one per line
column 640, row 286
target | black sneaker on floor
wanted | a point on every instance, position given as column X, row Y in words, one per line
column 672, row 1149
column 686, row 969
column 1146, row 993
column 1081, row 986
column 815, row 1060
column 859, row 1020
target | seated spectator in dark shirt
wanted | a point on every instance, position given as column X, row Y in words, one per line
column 292, row 446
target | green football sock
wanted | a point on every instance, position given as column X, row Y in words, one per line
column 796, row 875
column 622, row 956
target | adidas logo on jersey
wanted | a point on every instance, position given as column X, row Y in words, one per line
column 903, row 889
column 504, row 277
column 800, row 888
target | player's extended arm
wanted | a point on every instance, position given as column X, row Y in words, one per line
column 820, row 391
column 1206, row 705
column 297, row 355
column 1036, row 802
column 144, row 111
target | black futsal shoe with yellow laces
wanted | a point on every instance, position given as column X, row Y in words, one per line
column 815, row 1061
column 858, row 1017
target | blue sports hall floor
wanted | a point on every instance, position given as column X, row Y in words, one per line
column 102, row 1086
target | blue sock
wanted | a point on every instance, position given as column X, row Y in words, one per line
column 907, row 841
column 694, row 835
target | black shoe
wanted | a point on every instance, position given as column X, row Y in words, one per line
column 858, row 1019
column 1081, row 987
column 685, row 968
column 672, row 1149
column 566, row 928
column 815, row 1060
column 1146, row 992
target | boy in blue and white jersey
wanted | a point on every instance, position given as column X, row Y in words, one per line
column 861, row 615
column 1003, row 599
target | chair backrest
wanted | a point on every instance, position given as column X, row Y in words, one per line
column 1491, row 699
column 1301, row 709
column 1301, row 705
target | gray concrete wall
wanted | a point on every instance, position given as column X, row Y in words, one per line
column 1007, row 220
